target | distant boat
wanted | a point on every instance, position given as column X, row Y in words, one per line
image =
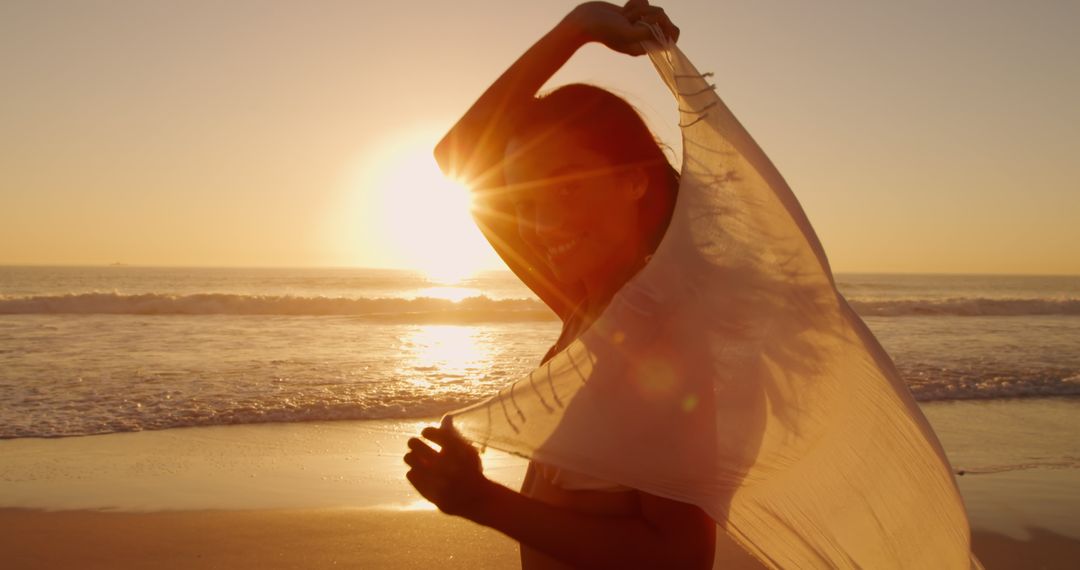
column 117, row 264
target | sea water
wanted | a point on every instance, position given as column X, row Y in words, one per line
column 88, row 350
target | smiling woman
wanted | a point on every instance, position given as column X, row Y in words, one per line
column 418, row 219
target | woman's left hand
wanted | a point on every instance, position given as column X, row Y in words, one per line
column 640, row 11
column 452, row 477
column 617, row 27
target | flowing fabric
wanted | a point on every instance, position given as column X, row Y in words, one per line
column 731, row 374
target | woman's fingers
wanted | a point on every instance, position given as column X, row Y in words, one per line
column 427, row 473
column 422, row 451
column 670, row 30
column 642, row 33
column 458, row 457
column 415, row 461
column 440, row 436
column 448, row 438
column 635, row 13
column 416, row 444
column 430, row 486
column 420, row 455
column 642, row 12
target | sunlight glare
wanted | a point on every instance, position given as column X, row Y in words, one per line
column 426, row 219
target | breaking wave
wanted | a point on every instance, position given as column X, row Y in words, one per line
column 479, row 308
column 966, row 307
column 121, row 413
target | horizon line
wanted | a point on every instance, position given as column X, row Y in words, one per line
column 120, row 265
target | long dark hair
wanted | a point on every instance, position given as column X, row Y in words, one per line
column 610, row 126
column 607, row 124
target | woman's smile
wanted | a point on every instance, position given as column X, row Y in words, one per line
column 560, row 250
column 574, row 208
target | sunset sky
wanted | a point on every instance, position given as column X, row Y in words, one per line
column 919, row 136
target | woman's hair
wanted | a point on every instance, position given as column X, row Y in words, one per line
column 608, row 125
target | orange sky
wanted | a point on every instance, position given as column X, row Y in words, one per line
column 918, row 136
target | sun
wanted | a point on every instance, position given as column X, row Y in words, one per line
column 425, row 217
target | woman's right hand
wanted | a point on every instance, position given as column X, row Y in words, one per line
column 451, row 478
column 619, row 28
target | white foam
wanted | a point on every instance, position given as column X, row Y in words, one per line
column 389, row 308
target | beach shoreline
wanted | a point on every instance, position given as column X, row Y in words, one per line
column 334, row 493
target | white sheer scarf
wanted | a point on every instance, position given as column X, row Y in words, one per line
column 730, row 373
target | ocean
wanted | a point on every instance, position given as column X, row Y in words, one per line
column 91, row 350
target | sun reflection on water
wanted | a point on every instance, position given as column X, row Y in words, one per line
column 443, row 356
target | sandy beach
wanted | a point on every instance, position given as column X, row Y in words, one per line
column 339, row 538
column 332, row 494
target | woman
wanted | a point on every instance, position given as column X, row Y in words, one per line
column 588, row 193
column 727, row 372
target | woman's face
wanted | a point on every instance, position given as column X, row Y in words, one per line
column 573, row 208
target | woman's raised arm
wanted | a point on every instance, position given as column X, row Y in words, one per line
column 473, row 149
